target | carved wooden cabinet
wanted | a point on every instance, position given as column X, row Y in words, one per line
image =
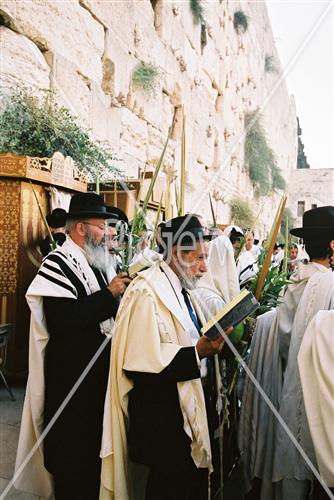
column 21, row 228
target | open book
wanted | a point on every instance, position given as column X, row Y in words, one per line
column 232, row 314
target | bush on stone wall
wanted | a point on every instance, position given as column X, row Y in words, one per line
column 240, row 21
column 260, row 158
column 269, row 64
column 144, row 77
column 241, row 213
column 33, row 124
column 197, row 11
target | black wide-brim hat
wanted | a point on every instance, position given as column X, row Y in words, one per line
column 87, row 205
column 318, row 222
column 116, row 214
column 183, row 231
column 57, row 218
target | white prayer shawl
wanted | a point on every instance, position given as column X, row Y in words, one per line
column 318, row 295
column 246, row 259
column 223, row 277
column 316, row 368
column 151, row 327
column 35, row 478
column 269, row 347
column 146, row 257
column 227, row 231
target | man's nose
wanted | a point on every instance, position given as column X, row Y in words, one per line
column 203, row 267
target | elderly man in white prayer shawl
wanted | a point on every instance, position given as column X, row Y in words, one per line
column 220, row 283
column 155, row 411
column 267, row 452
column 316, row 368
column 73, row 302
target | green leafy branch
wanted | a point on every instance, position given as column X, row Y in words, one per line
column 34, row 124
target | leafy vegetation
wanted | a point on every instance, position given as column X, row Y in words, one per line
column 144, row 77
column 269, row 64
column 33, row 124
column 197, row 11
column 262, row 166
column 301, row 157
column 274, row 283
column 240, row 21
column 241, row 213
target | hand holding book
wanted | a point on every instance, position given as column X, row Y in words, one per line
column 207, row 347
column 232, row 314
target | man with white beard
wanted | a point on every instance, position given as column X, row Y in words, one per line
column 72, row 309
column 160, row 379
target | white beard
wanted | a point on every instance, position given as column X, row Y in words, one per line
column 190, row 283
column 98, row 256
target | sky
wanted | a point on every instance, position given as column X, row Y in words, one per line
column 306, row 26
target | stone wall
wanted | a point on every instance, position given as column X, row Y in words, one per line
column 313, row 186
column 87, row 50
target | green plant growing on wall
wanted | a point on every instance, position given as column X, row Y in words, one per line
column 197, row 11
column 241, row 213
column 269, row 64
column 240, row 21
column 277, row 180
column 198, row 17
column 34, row 124
column 145, row 77
column 260, row 158
column 301, row 157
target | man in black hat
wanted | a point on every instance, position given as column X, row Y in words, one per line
column 72, row 309
column 56, row 222
column 158, row 361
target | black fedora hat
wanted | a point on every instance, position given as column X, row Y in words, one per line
column 183, row 231
column 316, row 222
column 57, row 218
column 85, row 205
column 116, row 214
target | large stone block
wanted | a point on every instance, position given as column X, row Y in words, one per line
column 72, row 89
column 117, row 68
column 21, row 61
column 117, row 16
column 64, row 27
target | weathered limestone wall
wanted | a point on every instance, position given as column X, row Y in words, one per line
column 314, row 186
column 87, row 50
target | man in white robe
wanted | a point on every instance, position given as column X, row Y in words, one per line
column 269, row 454
column 316, row 368
column 155, row 412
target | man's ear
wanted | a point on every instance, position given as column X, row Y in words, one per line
column 331, row 246
column 80, row 228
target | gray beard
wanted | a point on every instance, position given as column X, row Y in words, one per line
column 190, row 283
column 98, row 256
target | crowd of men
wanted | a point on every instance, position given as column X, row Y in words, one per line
column 123, row 392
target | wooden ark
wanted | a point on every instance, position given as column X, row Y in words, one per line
column 21, row 228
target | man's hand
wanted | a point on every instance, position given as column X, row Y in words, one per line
column 206, row 347
column 118, row 285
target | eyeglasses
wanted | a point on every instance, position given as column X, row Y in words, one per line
column 103, row 228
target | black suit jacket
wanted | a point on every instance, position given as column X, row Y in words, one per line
column 75, row 336
column 156, row 436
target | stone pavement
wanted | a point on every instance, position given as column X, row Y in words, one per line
column 10, row 418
